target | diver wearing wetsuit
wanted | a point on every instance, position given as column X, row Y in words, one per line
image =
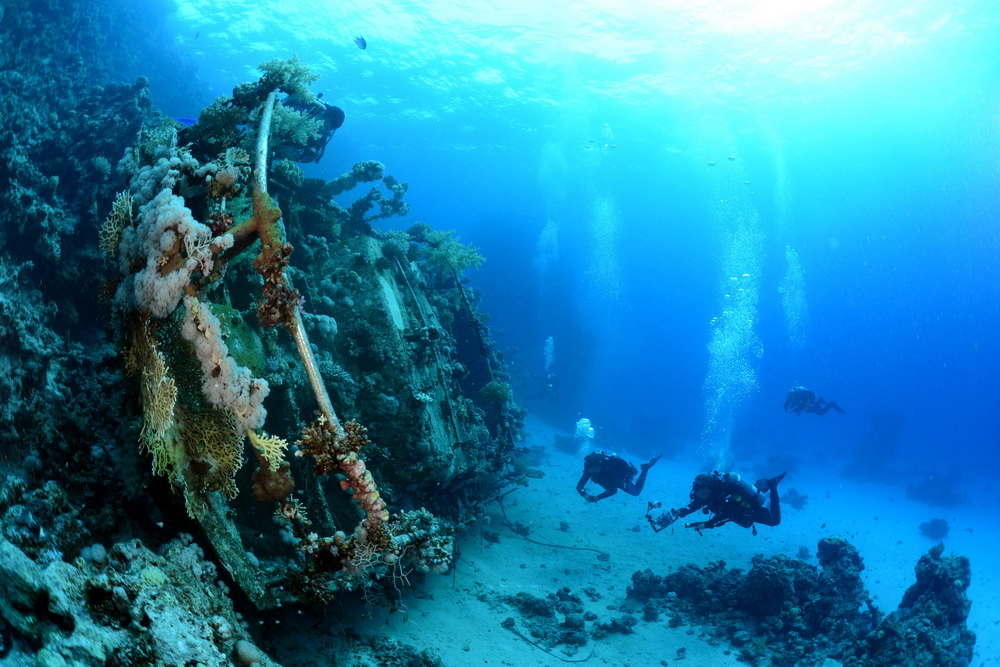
column 611, row 472
column 727, row 497
column 801, row 400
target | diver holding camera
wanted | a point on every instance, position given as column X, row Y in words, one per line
column 727, row 497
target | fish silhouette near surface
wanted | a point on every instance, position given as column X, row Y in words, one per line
column 360, row 41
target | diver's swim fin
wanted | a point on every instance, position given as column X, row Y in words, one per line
column 838, row 408
column 765, row 485
column 651, row 462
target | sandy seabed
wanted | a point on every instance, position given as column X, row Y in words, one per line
column 460, row 616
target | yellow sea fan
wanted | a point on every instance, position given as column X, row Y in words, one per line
column 159, row 397
column 216, row 451
column 270, row 447
column 119, row 218
column 157, row 389
column 130, row 361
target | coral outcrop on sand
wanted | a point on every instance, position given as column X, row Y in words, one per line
column 929, row 627
column 785, row 612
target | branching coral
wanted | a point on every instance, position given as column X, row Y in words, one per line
column 336, row 449
column 497, row 392
column 366, row 172
column 381, row 540
column 388, row 206
column 445, row 257
column 291, row 127
column 279, row 302
column 291, row 76
column 362, row 172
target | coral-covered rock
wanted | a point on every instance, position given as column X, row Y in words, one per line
column 558, row 619
column 767, row 587
column 140, row 608
column 784, row 611
column 929, row 628
column 940, row 588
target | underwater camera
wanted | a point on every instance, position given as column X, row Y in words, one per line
column 662, row 521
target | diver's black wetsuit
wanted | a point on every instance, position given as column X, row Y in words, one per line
column 611, row 472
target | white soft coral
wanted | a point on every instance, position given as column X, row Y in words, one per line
column 226, row 385
column 162, row 222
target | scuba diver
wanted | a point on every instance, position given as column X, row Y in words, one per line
column 801, row 400
column 330, row 119
column 551, row 388
column 611, row 472
column 727, row 497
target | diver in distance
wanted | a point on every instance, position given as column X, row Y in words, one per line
column 330, row 118
column 611, row 472
column 801, row 400
column 727, row 497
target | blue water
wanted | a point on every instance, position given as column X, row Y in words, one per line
column 622, row 169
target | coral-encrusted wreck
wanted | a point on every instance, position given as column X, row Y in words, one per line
column 226, row 334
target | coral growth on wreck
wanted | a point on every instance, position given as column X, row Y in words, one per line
column 134, row 404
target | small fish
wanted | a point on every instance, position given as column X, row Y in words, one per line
column 187, row 122
column 360, row 41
